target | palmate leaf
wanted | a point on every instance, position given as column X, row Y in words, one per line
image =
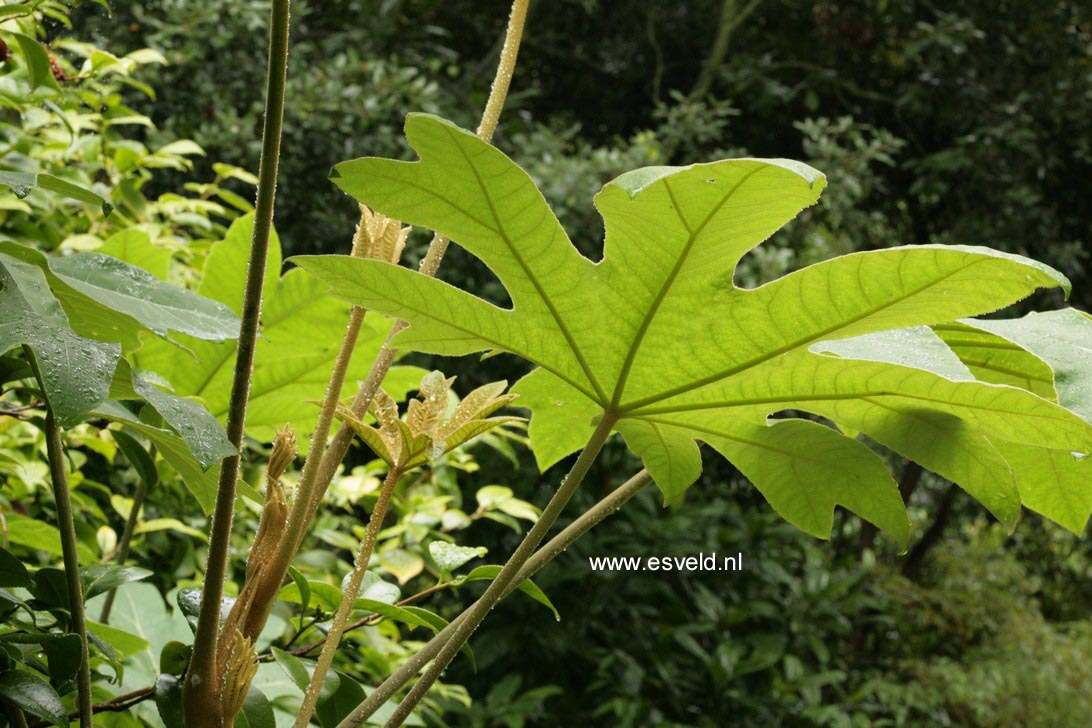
column 301, row 329
column 657, row 334
column 1054, row 482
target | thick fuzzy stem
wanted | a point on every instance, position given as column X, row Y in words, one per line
column 67, row 527
column 478, row 611
column 312, row 474
column 202, row 690
column 352, row 590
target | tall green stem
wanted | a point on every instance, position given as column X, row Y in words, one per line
column 201, row 697
column 580, row 526
column 348, row 599
column 67, row 526
column 478, row 611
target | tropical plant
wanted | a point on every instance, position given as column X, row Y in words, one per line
column 803, row 383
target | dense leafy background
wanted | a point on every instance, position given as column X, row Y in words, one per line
column 934, row 123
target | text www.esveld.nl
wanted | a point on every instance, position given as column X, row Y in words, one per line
column 699, row 562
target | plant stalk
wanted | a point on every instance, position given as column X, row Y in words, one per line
column 299, row 517
column 126, row 541
column 348, row 598
column 478, row 611
column 201, row 694
column 67, row 525
column 557, row 545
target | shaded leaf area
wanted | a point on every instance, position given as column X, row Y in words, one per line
column 301, row 330
column 658, row 336
column 111, row 300
column 78, row 314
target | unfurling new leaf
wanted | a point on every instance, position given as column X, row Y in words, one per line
column 427, row 431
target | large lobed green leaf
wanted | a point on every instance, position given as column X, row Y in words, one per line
column 658, row 335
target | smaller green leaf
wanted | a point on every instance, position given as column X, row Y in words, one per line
column 124, row 643
column 402, row 564
column 64, row 653
column 189, row 603
column 21, row 183
column 300, row 671
column 51, row 588
column 528, row 587
column 449, row 556
column 374, row 587
column 324, row 596
column 39, row 73
column 202, row 433
column 333, row 709
column 395, row 613
column 39, row 535
column 32, row 695
column 136, row 293
column 200, row 482
column 101, row 578
column 174, row 658
column 489, row 496
column 12, row 571
column 168, row 700
column 138, row 457
column 256, row 711
column 169, row 524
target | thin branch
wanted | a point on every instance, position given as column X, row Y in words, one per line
column 557, row 545
column 201, row 696
column 348, row 599
column 478, row 611
column 731, row 17
column 67, row 526
column 126, row 540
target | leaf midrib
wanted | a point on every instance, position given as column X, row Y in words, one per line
column 653, row 309
column 867, row 396
column 588, row 374
column 773, row 354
